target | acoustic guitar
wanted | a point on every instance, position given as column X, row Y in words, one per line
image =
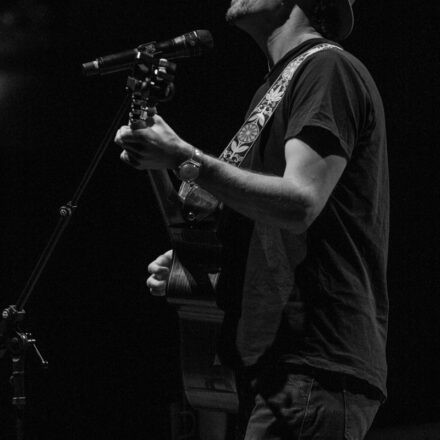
column 196, row 265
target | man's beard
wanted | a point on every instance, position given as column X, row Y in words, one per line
column 238, row 9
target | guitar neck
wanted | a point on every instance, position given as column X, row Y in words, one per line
column 167, row 198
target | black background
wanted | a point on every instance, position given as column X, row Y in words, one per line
column 112, row 351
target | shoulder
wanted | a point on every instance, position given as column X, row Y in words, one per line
column 335, row 59
column 331, row 64
column 334, row 71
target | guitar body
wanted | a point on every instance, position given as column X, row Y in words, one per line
column 207, row 383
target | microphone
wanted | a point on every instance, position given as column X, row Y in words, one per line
column 188, row 45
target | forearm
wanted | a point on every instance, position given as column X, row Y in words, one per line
column 271, row 199
column 292, row 201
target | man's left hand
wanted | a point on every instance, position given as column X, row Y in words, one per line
column 156, row 146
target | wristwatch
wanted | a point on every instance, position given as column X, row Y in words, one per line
column 189, row 170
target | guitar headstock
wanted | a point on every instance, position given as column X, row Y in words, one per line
column 151, row 82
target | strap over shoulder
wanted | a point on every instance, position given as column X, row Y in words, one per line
column 249, row 132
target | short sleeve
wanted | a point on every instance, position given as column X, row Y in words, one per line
column 327, row 93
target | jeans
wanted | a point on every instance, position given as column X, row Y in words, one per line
column 282, row 404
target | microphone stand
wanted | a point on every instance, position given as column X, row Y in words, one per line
column 14, row 342
column 151, row 81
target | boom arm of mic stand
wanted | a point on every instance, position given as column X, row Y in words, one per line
column 66, row 211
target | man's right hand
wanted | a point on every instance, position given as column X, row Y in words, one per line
column 159, row 271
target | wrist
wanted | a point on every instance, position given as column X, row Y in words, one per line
column 185, row 152
column 188, row 170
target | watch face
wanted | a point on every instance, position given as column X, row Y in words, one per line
column 188, row 171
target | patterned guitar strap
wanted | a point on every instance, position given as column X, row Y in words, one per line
column 199, row 203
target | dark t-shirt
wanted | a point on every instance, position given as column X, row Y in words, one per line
column 320, row 298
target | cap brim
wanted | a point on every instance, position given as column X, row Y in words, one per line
column 346, row 18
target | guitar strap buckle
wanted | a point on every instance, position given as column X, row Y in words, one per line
column 198, row 202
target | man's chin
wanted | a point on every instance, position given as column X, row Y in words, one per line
column 231, row 18
column 236, row 12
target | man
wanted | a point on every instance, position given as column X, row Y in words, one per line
column 307, row 334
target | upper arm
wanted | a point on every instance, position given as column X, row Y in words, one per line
column 315, row 175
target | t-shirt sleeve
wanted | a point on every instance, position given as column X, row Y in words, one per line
column 327, row 93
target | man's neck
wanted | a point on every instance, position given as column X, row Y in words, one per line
column 279, row 43
column 277, row 37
